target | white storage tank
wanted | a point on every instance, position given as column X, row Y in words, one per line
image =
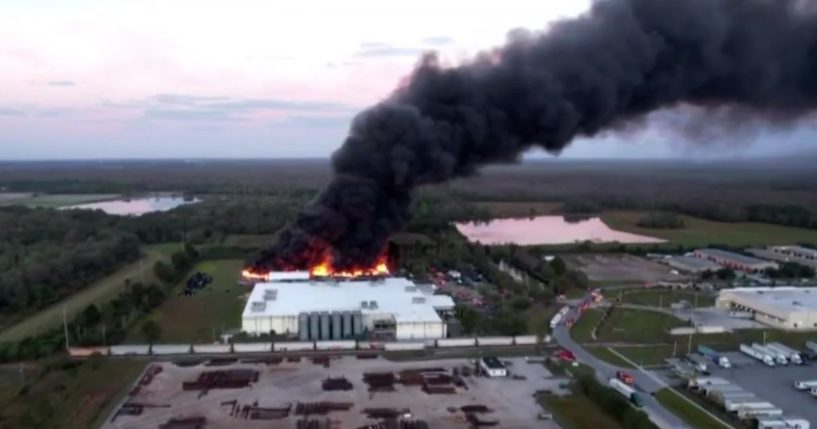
column 337, row 328
column 347, row 325
column 303, row 326
column 325, row 334
column 357, row 323
column 314, row 326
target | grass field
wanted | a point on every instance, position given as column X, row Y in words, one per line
column 651, row 355
column 98, row 292
column 665, row 297
column 700, row 232
column 53, row 200
column 576, row 411
column 248, row 241
column 217, row 307
column 608, row 356
column 583, row 328
column 637, row 326
column 519, row 209
column 79, row 397
column 688, row 412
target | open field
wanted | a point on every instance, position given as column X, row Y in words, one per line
column 700, row 232
column 637, row 326
column 217, row 307
column 576, row 411
column 52, row 200
column 620, row 268
column 608, row 356
column 98, row 292
column 583, row 328
column 519, row 208
column 248, row 241
column 69, row 395
column 665, row 297
column 652, row 355
column 688, row 412
column 300, row 382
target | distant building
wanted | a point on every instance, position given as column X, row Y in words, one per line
column 691, row 264
column 733, row 260
column 296, row 305
column 798, row 254
column 792, row 308
column 493, row 367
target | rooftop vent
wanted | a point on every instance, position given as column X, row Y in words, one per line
column 418, row 300
column 411, row 289
column 372, row 304
column 270, row 294
column 259, row 306
column 364, row 304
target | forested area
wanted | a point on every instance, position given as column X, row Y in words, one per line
column 46, row 255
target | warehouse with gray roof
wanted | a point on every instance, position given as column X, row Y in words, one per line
column 735, row 261
column 791, row 308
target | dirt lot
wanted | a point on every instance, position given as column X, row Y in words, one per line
column 285, row 383
column 621, row 268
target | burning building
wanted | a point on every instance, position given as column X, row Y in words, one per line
column 312, row 307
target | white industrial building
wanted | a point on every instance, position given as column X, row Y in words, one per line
column 330, row 309
column 792, row 308
column 691, row 264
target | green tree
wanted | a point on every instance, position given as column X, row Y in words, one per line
column 151, row 331
column 725, row 274
column 558, row 266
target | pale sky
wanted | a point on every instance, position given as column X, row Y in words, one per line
column 243, row 79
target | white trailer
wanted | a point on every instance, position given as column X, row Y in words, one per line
column 746, row 413
column 252, row 347
column 526, row 340
column 626, row 391
column 701, row 363
column 329, row 345
column 170, row 349
column 212, row 348
column 456, row 342
column 494, row 341
column 730, row 396
column 752, row 352
column 404, row 346
column 793, row 355
column 707, row 381
column 779, row 358
column 812, row 345
column 733, row 405
column 805, row 384
column 554, row 322
column 782, row 422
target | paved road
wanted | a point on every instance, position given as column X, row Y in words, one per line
column 646, row 382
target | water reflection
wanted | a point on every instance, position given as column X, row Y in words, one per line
column 136, row 206
column 548, row 230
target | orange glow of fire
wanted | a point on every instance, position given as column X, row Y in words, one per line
column 324, row 269
column 247, row 274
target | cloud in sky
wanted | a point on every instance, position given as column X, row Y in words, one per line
column 152, row 78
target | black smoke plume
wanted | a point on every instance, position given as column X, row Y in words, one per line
column 749, row 61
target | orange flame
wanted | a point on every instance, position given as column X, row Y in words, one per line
column 247, row 274
column 324, row 269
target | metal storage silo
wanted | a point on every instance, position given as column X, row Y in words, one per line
column 303, row 327
column 357, row 323
column 314, row 323
column 337, row 329
column 325, row 334
column 347, row 324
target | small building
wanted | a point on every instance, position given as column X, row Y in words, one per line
column 791, row 308
column 691, row 264
column 735, row 261
column 493, row 367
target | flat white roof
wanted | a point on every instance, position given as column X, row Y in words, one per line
column 784, row 299
column 393, row 295
column 732, row 256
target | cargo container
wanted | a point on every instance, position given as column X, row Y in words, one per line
column 212, row 348
column 335, row 345
column 88, row 351
column 293, row 346
column 711, row 329
column 733, row 405
column 782, row 422
column 170, row 349
column 528, row 340
column 456, row 342
column 252, row 347
column 141, row 349
column 706, row 381
column 404, row 346
column 805, row 384
column 626, row 391
column 494, row 341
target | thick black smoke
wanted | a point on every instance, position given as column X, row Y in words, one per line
column 749, row 60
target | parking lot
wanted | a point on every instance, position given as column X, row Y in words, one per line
column 510, row 399
column 621, row 268
column 775, row 385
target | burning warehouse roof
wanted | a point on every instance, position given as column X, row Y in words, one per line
column 323, row 309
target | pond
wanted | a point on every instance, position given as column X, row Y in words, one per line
column 135, row 206
column 548, row 230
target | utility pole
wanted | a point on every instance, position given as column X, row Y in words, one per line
column 104, row 341
column 142, row 270
column 689, row 344
column 65, row 327
column 675, row 348
column 764, row 338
